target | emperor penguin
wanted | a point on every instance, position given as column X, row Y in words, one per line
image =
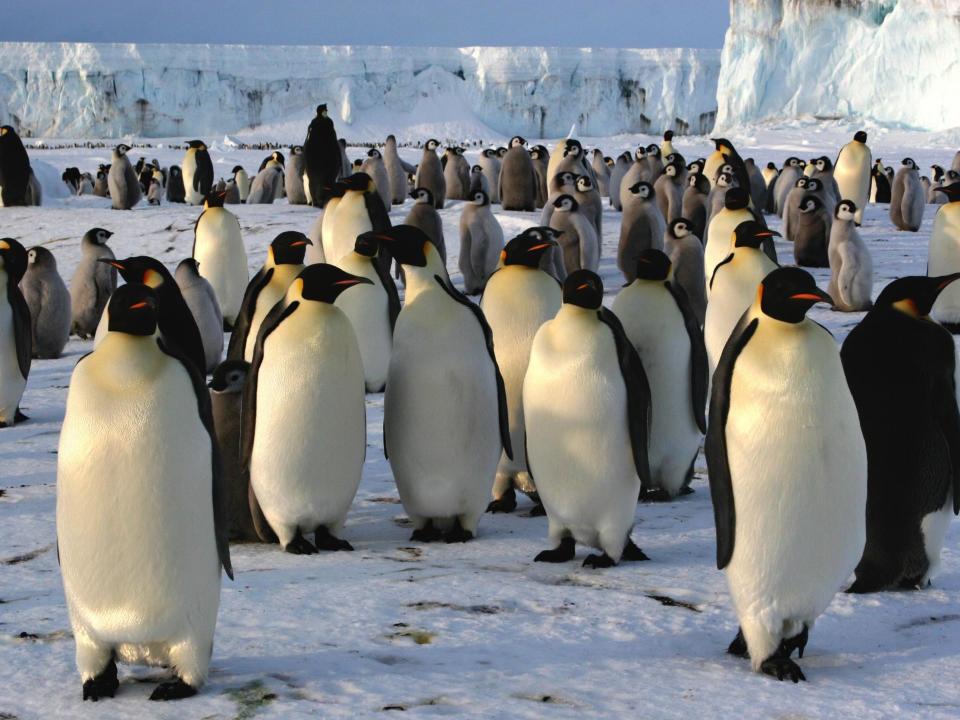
column 141, row 531
column 912, row 432
column 306, row 373
column 823, row 171
column 588, row 456
column 101, row 189
column 792, row 210
column 685, row 251
column 758, row 186
column 16, row 335
column 456, row 173
column 267, row 185
column 219, row 251
column 443, row 454
column 591, row 204
column 540, row 159
column 154, row 192
column 733, row 286
column 396, row 174
column 202, row 301
column 345, row 163
column 718, row 194
column 770, row 175
column 654, row 163
column 322, row 157
column 620, row 168
column 293, row 171
column 374, row 166
column 662, row 327
column 176, row 193
column 372, row 309
column 360, row 210
column 122, row 180
column 481, row 242
column 852, row 172
column 791, row 172
column 579, row 246
column 243, row 182
column 813, row 233
column 788, row 472
column 478, row 181
column 907, row 198
column 423, row 214
column 601, row 171
column 231, row 193
column 851, row 267
column 695, row 206
column 322, row 230
column 721, row 229
column 197, row 171
column 92, row 283
column 637, row 172
column 518, row 299
column 642, row 227
column 518, row 184
column 491, row 170
column 668, row 189
column 880, row 183
column 283, row 264
column 726, row 154
column 15, row 171
column 49, row 302
column 666, row 147
column 570, row 157
column 938, row 180
column 944, row 257
column 430, row 174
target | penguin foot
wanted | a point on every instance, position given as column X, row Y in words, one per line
column 598, row 561
column 300, row 546
column 656, row 495
column 175, row 689
column 686, row 490
column 427, row 534
column 103, row 685
column 19, row 417
column 632, row 553
column 538, row 510
column 738, row 646
column 325, row 540
column 912, row 583
column 457, row 534
column 506, row 503
column 797, row 642
column 782, row 668
column 564, row 552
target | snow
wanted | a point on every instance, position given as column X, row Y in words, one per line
column 895, row 62
column 476, row 630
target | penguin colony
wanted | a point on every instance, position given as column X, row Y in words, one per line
column 707, row 342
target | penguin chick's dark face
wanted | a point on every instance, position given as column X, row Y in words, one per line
column 406, row 243
column 642, row 189
column 324, row 283
column 572, row 147
column 583, row 288
column 13, row 259
column 653, row 264
column 908, row 162
column 289, row 248
column 98, row 236
column 373, row 153
column 810, row 203
column 787, row 293
column 229, row 376
column 133, row 310
column 565, row 202
column 433, row 144
column 140, row 269
column 122, row 150
column 40, row 257
column 422, row 195
column 915, row 295
column 752, row 234
column 680, row 227
column 480, row 198
column 517, row 141
column 584, row 183
column 846, row 210
column 527, row 249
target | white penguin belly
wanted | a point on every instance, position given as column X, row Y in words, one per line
column 720, row 240
column 12, row 382
column 269, row 296
column 189, row 169
column 351, row 220
column 222, row 259
column 934, row 527
column 852, row 173
column 944, row 259
column 366, row 306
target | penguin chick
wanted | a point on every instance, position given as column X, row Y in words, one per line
column 202, row 301
column 851, row 267
column 642, row 227
column 92, row 283
column 481, row 241
column 49, row 302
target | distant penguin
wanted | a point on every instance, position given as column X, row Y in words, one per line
column 345, row 165
column 823, row 171
column 102, row 189
column 16, row 334
column 770, row 175
column 374, row 166
column 283, row 264
column 175, row 190
column 456, row 173
column 852, row 172
column 481, row 242
column 666, row 147
column 851, row 267
column 786, row 181
column 879, row 183
column 901, row 369
column 231, row 193
column 642, row 228
column 71, row 178
column 620, row 168
column 397, row 176
column 322, row 157
column 720, row 232
column 517, row 180
column 265, row 186
column 787, row 540
column 758, row 186
column 202, row 301
column 588, row 456
column 430, row 174
column 491, row 170
column 49, row 302
column 443, row 458
column 423, row 215
column 938, row 180
column 540, row 159
column 360, row 210
column 478, row 182
column 661, row 325
column 219, row 250
column 243, row 182
column 125, row 189
column 695, row 205
column 685, row 251
column 293, row 172
column 654, row 162
column 668, row 189
column 813, row 233
column 518, row 299
column 92, row 283
column 907, row 198
column 155, row 192
column 197, row 171
column 141, row 532
column 579, row 245
column 602, row 172
column 15, row 172
column 303, row 410
column 944, row 257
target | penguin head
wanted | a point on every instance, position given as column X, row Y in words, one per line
column 517, row 141
column 786, row 294
column 501, row 151
column 642, row 189
column 374, row 153
column 609, row 161
column 860, row 137
column 337, row 190
column 653, row 264
column 736, row 198
column 197, row 145
column 324, row 283
column 810, row 204
column 640, row 153
column 680, row 228
column 846, row 210
column 529, row 247
column 488, row 152
column 668, row 135
column 823, row 164
column 175, row 170
column 572, row 148
column 133, row 310
column 358, row 182
column 952, row 191
column 214, row 199
column 535, row 153
column 422, row 196
column 909, row 163
column 653, row 150
column 695, row 167
column 671, row 169
column 752, row 234
column 97, row 236
column 367, row 244
column 476, row 170
column 289, row 248
column 725, row 180
column 583, row 288
column 771, row 166
column 584, row 183
column 699, row 181
column 188, row 270
column 937, row 172
column 566, row 178
column 722, row 144
column 13, row 260
column 121, row 150
column 229, row 377
column 7, row 130
column 791, row 162
column 407, row 244
column 566, row 203
column 277, row 156
column 914, row 295
column 802, row 182
column 141, row 269
column 432, row 144
column 40, row 257
column 480, row 198
column 814, row 185
column 727, row 169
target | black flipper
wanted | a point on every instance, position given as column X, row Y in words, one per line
column 713, row 275
column 241, row 328
column 488, row 336
column 638, row 395
column 203, row 177
column 379, row 222
column 193, row 250
column 393, row 297
column 715, row 447
column 22, row 327
column 948, row 419
column 699, row 372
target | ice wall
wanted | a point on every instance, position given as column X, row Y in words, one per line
column 111, row 90
column 894, row 62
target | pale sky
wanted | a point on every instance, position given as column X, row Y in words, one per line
column 586, row 23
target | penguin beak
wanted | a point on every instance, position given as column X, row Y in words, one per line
column 584, row 286
column 114, row 263
column 301, row 243
column 140, row 305
column 542, row 246
column 768, row 233
column 816, row 296
column 353, row 281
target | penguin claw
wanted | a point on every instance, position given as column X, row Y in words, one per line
column 323, row 539
column 300, row 546
column 632, row 553
column 564, row 552
column 655, row 496
column 797, row 642
column 103, row 685
column 598, row 561
column 19, row 417
column 538, row 510
column 738, row 646
column 426, row 534
column 506, row 503
column 175, row 689
column 782, row 668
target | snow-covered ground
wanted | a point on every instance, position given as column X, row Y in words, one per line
column 476, row 630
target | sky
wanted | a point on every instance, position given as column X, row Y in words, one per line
column 578, row 23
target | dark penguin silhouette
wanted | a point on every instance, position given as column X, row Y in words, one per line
column 14, row 168
column 322, row 156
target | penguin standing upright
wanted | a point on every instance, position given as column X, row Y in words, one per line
column 481, row 241
column 642, row 227
column 360, row 210
column 590, row 202
column 16, row 337
column 15, row 172
column 579, row 246
column 758, row 186
column 880, row 183
column 586, row 406
column 900, row 366
column 218, row 249
column 267, row 185
column 695, row 205
column 540, row 160
column 141, row 535
column 617, row 174
column 518, row 299
column 786, row 181
column 122, row 180
column 788, row 472
column 102, row 189
column 491, row 170
column 852, row 172
column 396, row 173
column 668, row 189
column 197, row 171
column 720, row 232
column 374, row 166
column 322, row 230
column 517, row 180
column 666, row 147
column 322, row 157
column 718, row 194
column 423, row 214
column 430, row 174
column 601, row 171
column 202, row 301
column 944, row 257
column 154, row 192
column 637, row 172
column 770, row 175
column 443, row 454
column 823, row 172
column 813, row 233
column 92, row 283
column 685, row 251
column 243, row 182
column 176, row 193
column 49, row 302
column 907, row 198
column 293, row 172
column 456, row 173
column 851, row 267
column 478, row 182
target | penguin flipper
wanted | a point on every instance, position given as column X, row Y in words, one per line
column 638, row 395
column 390, row 287
column 948, row 420
column 193, row 249
column 22, row 328
column 715, row 447
column 379, row 217
column 203, row 177
column 699, row 372
column 488, row 336
column 720, row 264
column 241, row 328
column 260, row 524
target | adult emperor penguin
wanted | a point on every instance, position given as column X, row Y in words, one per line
column 430, row 174
column 218, row 249
column 758, row 186
column 591, row 204
column 371, row 308
column 243, row 182
column 481, row 242
column 125, row 191
column 907, row 198
column 579, row 244
column 360, row 210
column 202, row 301
column 720, row 232
column 15, row 169
column 880, row 183
column 322, row 157
column 141, row 532
column 851, row 267
column 423, row 214
column 900, row 366
column 518, row 299
column 788, row 472
column 733, row 286
column 283, row 264
column 49, row 302
column 686, row 260
column 695, row 205
column 812, row 233
column 176, row 193
column 374, row 166
column 852, row 172
column 588, row 456
column 770, row 175
column 293, row 172
column 518, row 183
column 642, row 227
column 491, row 170
column 726, row 154
column 944, row 257
column 197, row 169
column 306, row 372
column 16, row 337
column 666, row 147
column 92, row 283
column 322, row 230
column 456, row 173
column 396, row 174
column 443, row 459
column 661, row 325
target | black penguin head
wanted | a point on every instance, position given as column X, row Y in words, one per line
column 609, row 161
column 13, row 260
column 752, row 234
column 668, row 135
column 860, row 137
column 324, row 283
column 517, row 141
column 322, row 110
column 914, row 295
column 845, row 210
column 640, row 153
column 406, row 243
column 296, row 150
column 937, row 172
column 787, row 293
column 337, row 190
column 695, row 167
column 277, row 156
column 374, row 153
column 791, row 162
column 141, row 269
column 642, row 189
column 653, row 264
column 501, row 151
column 358, row 182
column 367, row 244
column 672, row 168
column 422, row 196
column 952, row 191
column 529, row 247
column 584, row 183
column 289, row 248
column 810, row 204
column 699, row 181
column 476, row 170
column 814, row 185
column 488, row 152
column 823, row 164
column 97, row 236
column 680, row 227
column 197, row 145
column 214, row 199
column 722, row 144
column 40, row 257
column 583, row 288
column 480, row 198
column 653, row 150
column 229, row 377
column 566, row 178
column 737, row 198
column 909, row 163
column 566, row 203
column 572, row 147
column 133, row 310
column 726, row 180
column 7, row 130
column 175, row 170
column 771, row 166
